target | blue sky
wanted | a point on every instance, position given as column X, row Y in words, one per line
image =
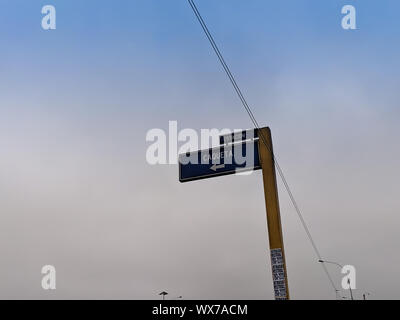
column 107, row 48
column 76, row 104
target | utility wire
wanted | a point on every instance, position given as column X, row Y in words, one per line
column 255, row 123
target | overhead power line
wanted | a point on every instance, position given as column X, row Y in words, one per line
column 255, row 123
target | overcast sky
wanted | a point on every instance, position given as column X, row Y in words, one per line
column 77, row 102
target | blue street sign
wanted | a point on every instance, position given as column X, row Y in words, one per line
column 239, row 136
column 219, row 161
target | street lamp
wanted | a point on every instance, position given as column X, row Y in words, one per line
column 163, row 294
column 341, row 267
column 331, row 262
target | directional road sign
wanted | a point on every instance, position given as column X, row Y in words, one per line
column 219, row 161
column 239, row 136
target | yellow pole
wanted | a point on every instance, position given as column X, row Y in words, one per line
column 278, row 263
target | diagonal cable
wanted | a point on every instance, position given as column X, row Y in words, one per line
column 255, row 123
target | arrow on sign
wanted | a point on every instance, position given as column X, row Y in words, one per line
column 219, row 161
column 215, row 167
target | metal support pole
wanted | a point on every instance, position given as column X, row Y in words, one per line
column 351, row 292
column 278, row 262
